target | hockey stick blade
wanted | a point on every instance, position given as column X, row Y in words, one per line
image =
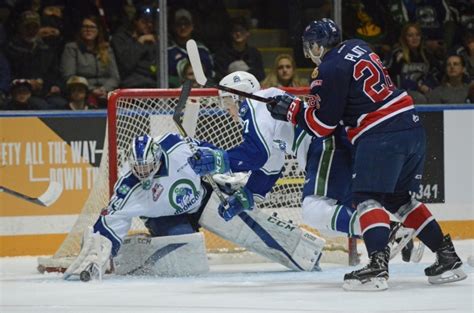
column 194, row 58
column 178, row 111
column 46, row 199
column 183, row 97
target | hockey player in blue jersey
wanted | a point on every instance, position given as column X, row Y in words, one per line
column 353, row 88
column 160, row 187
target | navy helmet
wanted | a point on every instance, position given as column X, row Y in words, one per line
column 319, row 36
column 145, row 157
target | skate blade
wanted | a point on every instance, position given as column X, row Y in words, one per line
column 448, row 277
column 374, row 284
column 417, row 253
column 395, row 247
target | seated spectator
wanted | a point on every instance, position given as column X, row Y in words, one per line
column 185, row 71
column 183, row 31
column 283, row 73
column 454, row 89
column 22, row 99
column 52, row 23
column 135, row 51
column 410, row 66
column 31, row 58
column 466, row 51
column 78, row 89
column 90, row 56
column 239, row 50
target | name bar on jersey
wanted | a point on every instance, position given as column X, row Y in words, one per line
column 400, row 104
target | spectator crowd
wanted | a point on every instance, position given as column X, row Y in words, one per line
column 68, row 54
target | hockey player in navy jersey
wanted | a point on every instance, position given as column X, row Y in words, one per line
column 160, row 186
column 353, row 88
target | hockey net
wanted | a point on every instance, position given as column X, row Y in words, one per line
column 132, row 112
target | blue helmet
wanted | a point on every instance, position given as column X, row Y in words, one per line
column 145, row 157
column 319, row 36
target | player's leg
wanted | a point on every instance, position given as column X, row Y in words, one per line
column 267, row 235
column 327, row 188
column 416, row 215
column 377, row 165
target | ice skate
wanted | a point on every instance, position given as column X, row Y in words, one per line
column 372, row 277
column 447, row 268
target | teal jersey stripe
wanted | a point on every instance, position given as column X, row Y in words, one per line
column 324, row 169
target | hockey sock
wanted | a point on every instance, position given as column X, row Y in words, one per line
column 425, row 226
column 344, row 220
column 375, row 226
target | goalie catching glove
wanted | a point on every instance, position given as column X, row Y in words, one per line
column 241, row 200
column 209, row 161
column 285, row 108
column 94, row 258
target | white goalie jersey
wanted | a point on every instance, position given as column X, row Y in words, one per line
column 175, row 189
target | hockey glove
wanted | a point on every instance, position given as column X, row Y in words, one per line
column 209, row 161
column 241, row 200
column 285, row 108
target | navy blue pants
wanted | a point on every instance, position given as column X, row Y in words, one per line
column 388, row 163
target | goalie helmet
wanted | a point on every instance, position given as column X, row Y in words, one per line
column 318, row 37
column 145, row 155
column 241, row 81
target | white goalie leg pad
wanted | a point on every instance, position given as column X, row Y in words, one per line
column 180, row 255
column 318, row 213
column 269, row 236
column 93, row 260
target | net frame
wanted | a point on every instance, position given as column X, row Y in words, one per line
column 110, row 167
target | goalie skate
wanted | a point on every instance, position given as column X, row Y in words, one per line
column 401, row 240
column 447, row 268
column 372, row 277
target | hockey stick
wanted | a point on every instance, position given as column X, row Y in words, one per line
column 46, row 199
column 193, row 53
column 183, row 97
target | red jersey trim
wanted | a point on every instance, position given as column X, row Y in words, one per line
column 398, row 105
column 315, row 125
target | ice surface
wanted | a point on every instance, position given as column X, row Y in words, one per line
column 263, row 287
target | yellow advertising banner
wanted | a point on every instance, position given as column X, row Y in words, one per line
column 48, row 166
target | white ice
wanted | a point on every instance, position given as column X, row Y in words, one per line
column 263, row 287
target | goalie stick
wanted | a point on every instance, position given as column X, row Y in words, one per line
column 183, row 97
column 46, row 199
column 193, row 53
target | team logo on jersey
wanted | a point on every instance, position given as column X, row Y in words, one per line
column 123, row 189
column 146, row 184
column 157, row 190
column 314, row 101
column 315, row 73
column 183, row 195
column 243, row 109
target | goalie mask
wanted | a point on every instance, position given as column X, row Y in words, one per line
column 145, row 157
column 241, row 81
column 320, row 36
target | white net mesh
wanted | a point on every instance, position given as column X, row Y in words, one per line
column 150, row 111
